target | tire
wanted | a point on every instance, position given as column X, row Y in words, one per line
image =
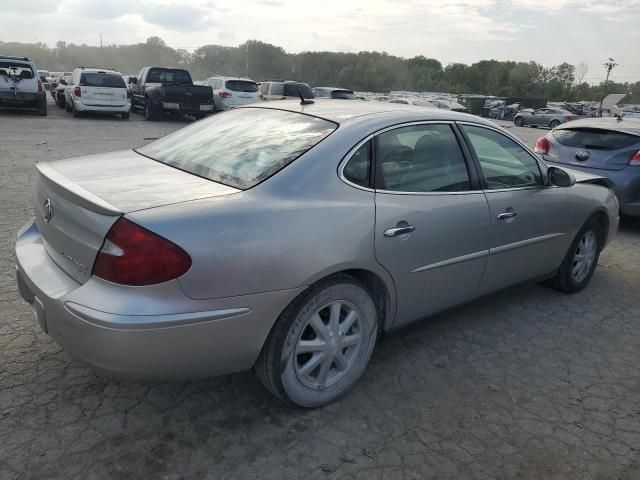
column 67, row 107
column 518, row 122
column 125, row 115
column 554, row 124
column 566, row 280
column 76, row 114
column 151, row 112
column 308, row 322
column 42, row 108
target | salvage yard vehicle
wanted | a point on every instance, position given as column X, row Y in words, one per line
column 158, row 91
column 20, row 86
column 543, row 117
column 603, row 146
column 58, row 93
column 97, row 90
column 334, row 92
column 261, row 237
column 230, row 92
column 286, row 89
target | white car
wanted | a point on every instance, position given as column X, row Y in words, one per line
column 97, row 90
column 231, row 92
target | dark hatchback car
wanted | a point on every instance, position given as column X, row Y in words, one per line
column 609, row 147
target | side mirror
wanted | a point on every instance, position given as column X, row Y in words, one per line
column 560, row 178
column 133, row 80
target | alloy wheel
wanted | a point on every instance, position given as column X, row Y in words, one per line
column 584, row 256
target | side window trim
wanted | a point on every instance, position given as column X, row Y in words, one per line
column 483, row 181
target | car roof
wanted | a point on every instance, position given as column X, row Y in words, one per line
column 626, row 125
column 99, row 70
column 339, row 111
column 336, row 88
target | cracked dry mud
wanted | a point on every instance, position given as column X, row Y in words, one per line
column 525, row 384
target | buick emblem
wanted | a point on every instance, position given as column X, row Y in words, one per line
column 48, row 211
column 582, row 155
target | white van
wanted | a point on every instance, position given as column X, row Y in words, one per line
column 97, row 90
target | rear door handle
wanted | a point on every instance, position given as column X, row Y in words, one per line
column 507, row 215
column 394, row 232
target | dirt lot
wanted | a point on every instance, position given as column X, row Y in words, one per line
column 526, row 384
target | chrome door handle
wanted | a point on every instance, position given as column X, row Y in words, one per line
column 507, row 215
column 393, row 232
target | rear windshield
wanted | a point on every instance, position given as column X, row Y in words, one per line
column 102, row 80
column 12, row 69
column 594, row 138
column 343, row 94
column 241, row 147
column 241, row 86
column 292, row 89
column 168, row 75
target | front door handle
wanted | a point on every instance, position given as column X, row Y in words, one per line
column 394, row 232
column 507, row 214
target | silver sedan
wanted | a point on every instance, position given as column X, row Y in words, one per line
column 543, row 117
column 287, row 238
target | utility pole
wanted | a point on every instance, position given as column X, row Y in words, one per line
column 247, row 59
column 609, row 66
column 100, row 40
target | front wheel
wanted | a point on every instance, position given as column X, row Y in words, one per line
column 580, row 261
column 519, row 122
column 42, row 108
column 321, row 344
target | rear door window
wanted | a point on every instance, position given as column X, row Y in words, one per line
column 594, row 138
column 241, row 86
column 102, row 80
column 242, row 147
column 421, row 158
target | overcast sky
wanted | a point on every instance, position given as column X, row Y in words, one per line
column 548, row 31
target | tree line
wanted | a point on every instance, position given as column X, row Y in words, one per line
column 363, row 71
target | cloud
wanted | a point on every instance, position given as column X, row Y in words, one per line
column 177, row 17
column 226, row 35
column 29, row 7
column 99, row 9
column 271, row 3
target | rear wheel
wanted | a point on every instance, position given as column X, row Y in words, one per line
column 519, row 122
column 554, row 124
column 42, row 108
column 581, row 260
column 151, row 111
column 67, row 107
column 125, row 115
column 321, row 344
column 76, row 113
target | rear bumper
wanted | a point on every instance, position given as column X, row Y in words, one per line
column 82, row 107
column 22, row 100
column 626, row 184
column 170, row 106
column 143, row 332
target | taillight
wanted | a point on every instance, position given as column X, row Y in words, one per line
column 76, row 92
column 570, row 117
column 133, row 255
column 542, row 145
column 635, row 159
column 40, row 87
column 224, row 94
column 129, row 94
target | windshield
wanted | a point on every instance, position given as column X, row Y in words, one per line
column 102, row 80
column 242, row 147
column 241, row 86
column 292, row 89
column 168, row 75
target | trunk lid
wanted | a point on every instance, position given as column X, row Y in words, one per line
column 589, row 147
column 78, row 200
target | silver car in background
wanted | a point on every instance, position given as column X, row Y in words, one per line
column 543, row 117
column 602, row 146
column 287, row 237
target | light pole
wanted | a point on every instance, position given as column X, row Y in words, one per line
column 609, row 66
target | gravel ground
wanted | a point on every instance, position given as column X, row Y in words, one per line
column 525, row 384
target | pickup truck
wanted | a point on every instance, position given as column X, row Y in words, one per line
column 158, row 90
